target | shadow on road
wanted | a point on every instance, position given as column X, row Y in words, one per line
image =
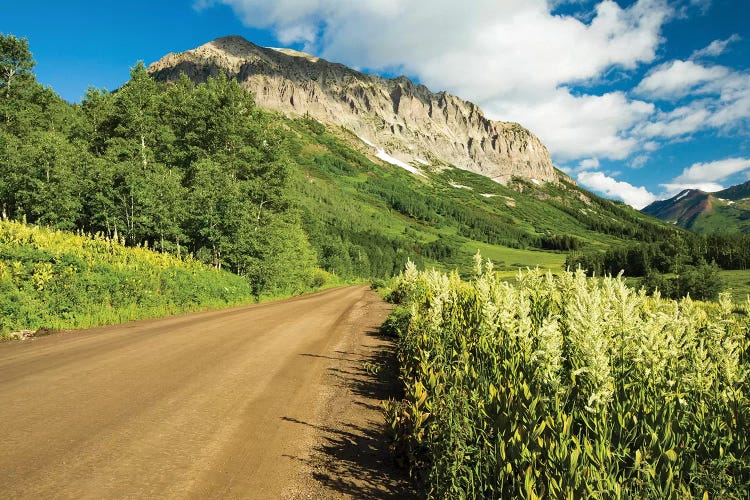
column 353, row 457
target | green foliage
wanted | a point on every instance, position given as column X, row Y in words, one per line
column 16, row 59
column 52, row 279
column 685, row 256
column 358, row 212
column 729, row 251
column 701, row 282
column 566, row 387
column 640, row 259
column 16, row 64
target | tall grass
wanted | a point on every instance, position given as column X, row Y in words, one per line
column 53, row 279
column 567, row 387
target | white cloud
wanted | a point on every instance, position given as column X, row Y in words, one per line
column 676, row 79
column 712, row 171
column 671, row 189
column 678, row 122
column 715, row 48
column 579, row 126
column 637, row 197
column 706, row 176
column 589, row 163
column 512, row 57
column 705, row 97
column 639, row 161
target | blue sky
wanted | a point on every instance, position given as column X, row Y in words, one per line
column 636, row 100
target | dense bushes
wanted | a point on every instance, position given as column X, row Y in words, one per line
column 566, row 387
column 701, row 282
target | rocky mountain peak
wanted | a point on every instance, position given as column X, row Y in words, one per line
column 404, row 120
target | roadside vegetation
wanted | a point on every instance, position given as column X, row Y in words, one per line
column 568, row 387
column 52, row 280
column 198, row 171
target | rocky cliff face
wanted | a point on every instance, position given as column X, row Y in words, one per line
column 407, row 121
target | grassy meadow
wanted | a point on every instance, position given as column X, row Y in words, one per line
column 738, row 282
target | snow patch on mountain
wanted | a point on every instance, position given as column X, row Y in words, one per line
column 681, row 195
column 367, row 142
column 395, row 161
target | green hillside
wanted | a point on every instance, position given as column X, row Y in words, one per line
column 726, row 211
column 725, row 216
column 366, row 217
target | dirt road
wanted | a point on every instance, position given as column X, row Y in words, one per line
column 268, row 401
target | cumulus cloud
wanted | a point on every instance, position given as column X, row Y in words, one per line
column 706, row 176
column 579, row 126
column 676, row 79
column 514, row 58
column 671, row 189
column 713, row 171
column 635, row 196
column 588, row 164
column 679, row 122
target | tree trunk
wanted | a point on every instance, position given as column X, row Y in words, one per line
column 260, row 210
column 143, row 150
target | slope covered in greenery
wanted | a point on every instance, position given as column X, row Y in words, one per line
column 366, row 217
column 199, row 170
column 726, row 211
column 53, row 279
column 185, row 169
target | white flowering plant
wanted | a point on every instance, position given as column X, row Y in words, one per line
column 562, row 386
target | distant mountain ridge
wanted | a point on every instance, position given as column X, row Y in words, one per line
column 723, row 211
column 400, row 120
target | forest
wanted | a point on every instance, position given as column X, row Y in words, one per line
column 694, row 259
